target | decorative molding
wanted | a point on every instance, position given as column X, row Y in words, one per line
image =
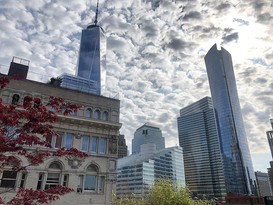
column 74, row 162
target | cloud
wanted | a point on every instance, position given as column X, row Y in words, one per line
column 155, row 53
column 193, row 15
column 230, row 37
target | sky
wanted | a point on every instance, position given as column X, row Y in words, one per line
column 155, row 55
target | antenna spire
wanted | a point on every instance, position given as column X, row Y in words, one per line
column 97, row 11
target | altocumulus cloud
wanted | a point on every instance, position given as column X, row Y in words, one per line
column 155, row 54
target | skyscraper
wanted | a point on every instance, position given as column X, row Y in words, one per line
column 263, row 184
column 147, row 133
column 198, row 136
column 92, row 55
column 122, row 147
column 270, row 140
column 238, row 169
column 137, row 173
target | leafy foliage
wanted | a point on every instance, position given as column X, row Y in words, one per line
column 162, row 193
column 23, row 132
column 30, row 196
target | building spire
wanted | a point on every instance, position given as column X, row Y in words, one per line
column 97, row 11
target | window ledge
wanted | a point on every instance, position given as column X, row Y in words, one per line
column 7, row 190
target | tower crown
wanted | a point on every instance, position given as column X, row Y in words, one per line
column 96, row 18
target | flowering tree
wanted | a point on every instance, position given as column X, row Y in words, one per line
column 23, row 132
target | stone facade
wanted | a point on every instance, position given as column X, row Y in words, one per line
column 93, row 129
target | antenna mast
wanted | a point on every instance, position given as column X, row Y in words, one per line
column 97, row 11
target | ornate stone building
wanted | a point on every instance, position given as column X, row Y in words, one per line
column 93, row 129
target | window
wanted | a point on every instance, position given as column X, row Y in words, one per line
column 101, row 183
column 68, row 140
column 53, row 175
column 97, row 115
column 15, row 99
column 102, row 145
column 85, row 143
column 27, row 100
column 55, row 141
column 23, row 179
column 8, row 179
column 94, row 145
column 40, row 181
column 61, row 140
column 65, row 181
column 105, row 116
column 37, row 103
column 88, row 112
column 92, row 181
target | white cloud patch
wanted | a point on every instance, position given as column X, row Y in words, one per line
column 155, row 54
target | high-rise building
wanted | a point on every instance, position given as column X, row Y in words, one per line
column 122, row 147
column 198, row 136
column 147, row 133
column 270, row 140
column 78, row 83
column 138, row 172
column 238, row 168
column 92, row 54
column 263, row 184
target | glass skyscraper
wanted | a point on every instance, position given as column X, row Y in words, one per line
column 198, row 136
column 238, row 169
column 147, row 133
column 137, row 173
column 92, row 55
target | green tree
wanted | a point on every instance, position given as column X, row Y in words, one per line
column 162, row 193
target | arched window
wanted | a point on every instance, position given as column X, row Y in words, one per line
column 97, row 115
column 53, row 175
column 88, row 112
column 53, row 178
column 15, row 99
column 37, row 103
column 27, row 100
column 105, row 116
column 91, row 181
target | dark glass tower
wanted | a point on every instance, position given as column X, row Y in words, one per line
column 198, row 136
column 92, row 55
column 238, row 169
